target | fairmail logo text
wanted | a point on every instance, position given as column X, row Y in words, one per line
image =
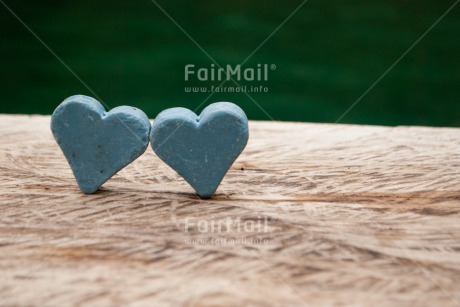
column 227, row 73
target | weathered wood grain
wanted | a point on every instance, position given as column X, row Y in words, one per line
column 341, row 215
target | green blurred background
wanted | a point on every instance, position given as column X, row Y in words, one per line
column 327, row 55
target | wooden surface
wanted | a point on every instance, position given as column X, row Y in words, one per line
column 356, row 215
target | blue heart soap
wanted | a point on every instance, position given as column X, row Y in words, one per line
column 97, row 144
column 201, row 148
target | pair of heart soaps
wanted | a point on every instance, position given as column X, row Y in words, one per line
column 97, row 144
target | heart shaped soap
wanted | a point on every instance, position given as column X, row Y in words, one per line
column 97, row 144
column 201, row 148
